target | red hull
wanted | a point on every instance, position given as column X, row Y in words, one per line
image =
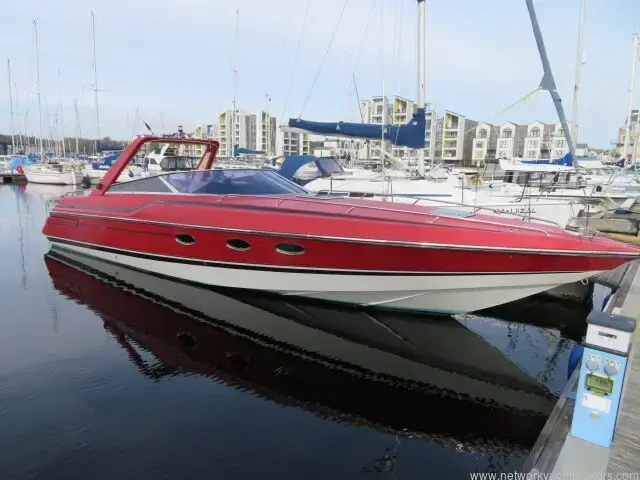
column 365, row 238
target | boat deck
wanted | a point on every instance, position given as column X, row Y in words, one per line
column 557, row 452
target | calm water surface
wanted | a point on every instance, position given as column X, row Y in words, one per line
column 110, row 373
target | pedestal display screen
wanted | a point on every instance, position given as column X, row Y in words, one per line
column 599, row 384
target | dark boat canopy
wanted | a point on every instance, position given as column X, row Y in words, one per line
column 293, row 163
column 411, row 135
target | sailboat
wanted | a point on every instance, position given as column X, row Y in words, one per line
column 50, row 170
column 492, row 201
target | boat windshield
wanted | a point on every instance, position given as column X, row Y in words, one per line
column 215, row 182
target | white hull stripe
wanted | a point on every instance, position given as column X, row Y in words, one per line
column 286, row 269
column 435, row 293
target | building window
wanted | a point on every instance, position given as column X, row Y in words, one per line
column 480, row 144
column 560, row 144
column 535, row 132
column 507, row 133
column 533, row 143
column 531, row 153
column 479, row 154
column 482, row 133
column 503, row 143
column 560, row 132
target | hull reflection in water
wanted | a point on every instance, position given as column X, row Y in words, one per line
column 410, row 375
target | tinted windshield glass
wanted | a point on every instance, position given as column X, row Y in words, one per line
column 178, row 163
column 329, row 165
column 236, row 181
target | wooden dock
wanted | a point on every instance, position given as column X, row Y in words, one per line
column 625, row 452
column 556, row 451
column 18, row 178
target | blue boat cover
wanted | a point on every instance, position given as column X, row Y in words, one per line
column 16, row 162
column 566, row 161
column 106, row 162
column 410, row 135
column 293, row 163
column 239, row 150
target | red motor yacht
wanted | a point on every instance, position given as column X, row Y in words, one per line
column 254, row 229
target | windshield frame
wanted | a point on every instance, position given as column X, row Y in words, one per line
column 172, row 190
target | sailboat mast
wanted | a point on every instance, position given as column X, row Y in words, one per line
column 35, row 30
column 75, row 105
column 632, row 93
column 13, row 138
column 548, row 82
column 20, row 136
column 576, row 87
column 64, row 151
column 422, row 39
column 235, row 87
column 384, row 100
column 95, row 81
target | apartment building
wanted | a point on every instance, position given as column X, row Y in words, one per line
column 265, row 131
column 484, row 143
column 511, row 138
column 559, row 147
column 537, row 143
column 536, row 140
column 292, row 143
column 454, row 138
column 239, row 124
column 633, row 153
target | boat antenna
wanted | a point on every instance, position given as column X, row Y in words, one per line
column 421, row 74
column 95, row 81
column 548, row 82
column 632, row 86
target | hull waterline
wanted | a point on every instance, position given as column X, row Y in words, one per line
column 438, row 293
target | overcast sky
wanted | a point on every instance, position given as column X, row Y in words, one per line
column 173, row 59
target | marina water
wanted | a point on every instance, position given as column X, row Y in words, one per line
column 102, row 380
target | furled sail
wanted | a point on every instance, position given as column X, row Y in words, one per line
column 245, row 151
column 409, row 135
column 566, row 161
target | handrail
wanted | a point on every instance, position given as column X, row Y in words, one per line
column 440, row 213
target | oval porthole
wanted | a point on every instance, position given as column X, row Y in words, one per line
column 238, row 244
column 185, row 239
column 290, row 249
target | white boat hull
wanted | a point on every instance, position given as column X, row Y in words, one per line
column 70, row 177
column 448, row 294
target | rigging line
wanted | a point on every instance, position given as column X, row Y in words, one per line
column 284, row 42
column 355, row 86
column 352, row 74
column 399, row 46
column 397, row 65
column 295, row 58
column 326, row 53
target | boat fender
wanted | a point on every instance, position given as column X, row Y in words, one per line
column 575, row 357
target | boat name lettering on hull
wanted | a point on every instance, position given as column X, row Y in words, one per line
column 516, row 211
